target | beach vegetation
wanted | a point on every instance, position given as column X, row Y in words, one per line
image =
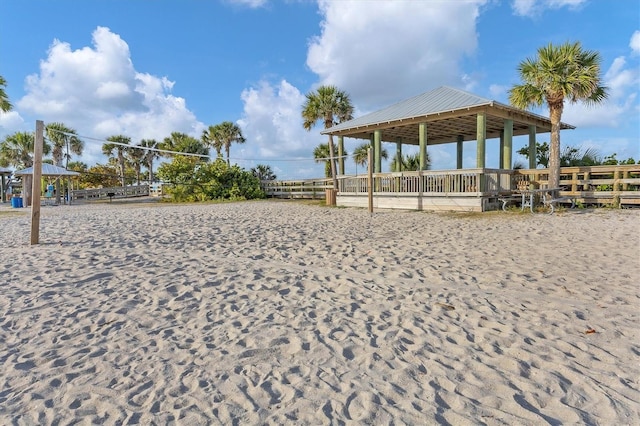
column 181, row 142
column 5, row 104
column 410, row 163
column 150, row 155
column 64, row 141
column 559, row 73
column 331, row 106
column 117, row 146
column 361, row 154
column 187, row 179
column 222, row 136
column 17, row 150
column 321, row 155
column 263, row 172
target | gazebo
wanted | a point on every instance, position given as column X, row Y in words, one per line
column 444, row 115
column 48, row 170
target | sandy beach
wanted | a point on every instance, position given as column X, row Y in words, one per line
column 288, row 313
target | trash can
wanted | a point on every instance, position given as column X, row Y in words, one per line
column 16, row 202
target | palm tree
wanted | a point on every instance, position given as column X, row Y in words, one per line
column 17, row 150
column 211, row 138
column 558, row 73
column 225, row 134
column 5, row 105
column 64, row 141
column 321, row 155
column 410, row 163
column 332, row 106
column 118, row 145
column 150, row 154
column 263, row 172
column 361, row 154
column 136, row 159
column 181, row 142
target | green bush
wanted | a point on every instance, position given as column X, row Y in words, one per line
column 190, row 179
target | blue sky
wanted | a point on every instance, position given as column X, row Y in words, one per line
column 146, row 68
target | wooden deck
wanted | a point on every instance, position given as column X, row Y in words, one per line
column 469, row 189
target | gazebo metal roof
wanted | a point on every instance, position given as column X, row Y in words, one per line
column 448, row 112
column 49, row 170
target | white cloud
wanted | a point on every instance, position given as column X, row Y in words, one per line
column 11, row 122
column 253, row 4
column 622, row 82
column 536, row 7
column 97, row 91
column 272, row 121
column 634, row 43
column 406, row 48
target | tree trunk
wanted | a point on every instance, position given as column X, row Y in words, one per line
column 555, row 115
column 150, row 172
column 333, row 164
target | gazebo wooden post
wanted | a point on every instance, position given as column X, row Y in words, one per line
column 340, row 155
column 399, row 155
column 481, row 137
column 533, row 155
column 533, row 160
column 377, row 140
column 507, row 148
column 459, row 152
column 422, row 138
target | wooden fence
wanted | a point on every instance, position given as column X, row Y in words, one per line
column 110, row 193
column 597, row 185
column 308, row 189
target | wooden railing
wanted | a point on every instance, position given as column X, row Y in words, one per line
column 309, row 189
column 115, row 192
column 603, row 185
column 472, row 182
column 612, row 185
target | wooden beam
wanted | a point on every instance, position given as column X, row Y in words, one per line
column 36, row 185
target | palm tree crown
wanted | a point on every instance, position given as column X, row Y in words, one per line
column 223, row 135
column 5, row 105
column 17, row 150
column 150, row 154
column 65, row 141
column 331, row 106
column 117, row 143
column 558, row 73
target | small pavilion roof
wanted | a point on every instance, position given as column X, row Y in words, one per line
column 448, row 113
column 48, row 170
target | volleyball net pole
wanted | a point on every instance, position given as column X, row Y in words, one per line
column 36, row 185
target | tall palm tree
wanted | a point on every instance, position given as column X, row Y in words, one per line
column 225, row 134
column 361, row 154
column 150, row 155
column 559, row 73
column 211, row 138
column 5, row 105
column 17, row 150
column 332, row 106
column 119, row 148
column 65, row 141
column 135, row 157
